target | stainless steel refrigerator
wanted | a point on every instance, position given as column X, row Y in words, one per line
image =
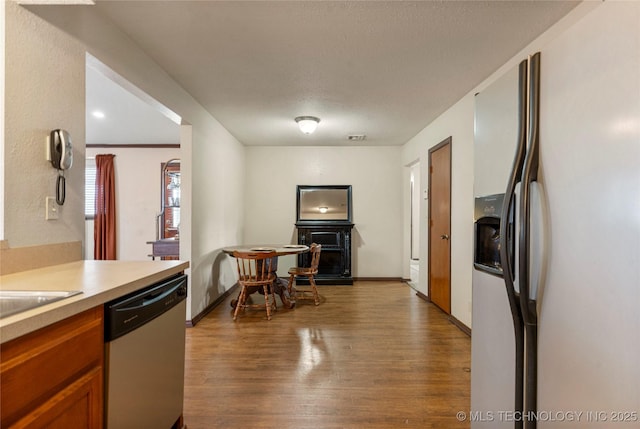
column 556, row 283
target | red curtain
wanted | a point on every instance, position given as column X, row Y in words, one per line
column 104, row 226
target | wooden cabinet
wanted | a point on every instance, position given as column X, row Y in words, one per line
column 167, row 243
column 53, row 377
column 335, row 258
column 170, row 199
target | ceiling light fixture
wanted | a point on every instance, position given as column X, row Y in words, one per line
column 98, row 114
column 307, row 124
column 323, row 209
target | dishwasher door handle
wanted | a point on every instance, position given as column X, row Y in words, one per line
column 153, row 298
column 125, row 315
column 149, row 299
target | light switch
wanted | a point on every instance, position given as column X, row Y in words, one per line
column 52, row 209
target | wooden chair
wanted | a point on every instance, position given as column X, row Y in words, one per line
column 254, row 271
column 309, row 272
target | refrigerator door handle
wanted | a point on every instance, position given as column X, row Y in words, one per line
column 507, row 215
column 529, row 175
column 506, row 241
column 527, row 302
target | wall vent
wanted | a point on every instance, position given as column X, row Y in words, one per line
column 356, row 137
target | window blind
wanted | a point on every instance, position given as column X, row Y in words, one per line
column 90, row 188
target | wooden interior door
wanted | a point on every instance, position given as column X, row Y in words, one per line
column 440, row 225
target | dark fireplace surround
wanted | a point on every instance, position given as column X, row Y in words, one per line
column 330, row 227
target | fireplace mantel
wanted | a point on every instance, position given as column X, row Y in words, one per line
column 335, row 257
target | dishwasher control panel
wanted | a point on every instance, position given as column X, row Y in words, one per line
column 131, row 311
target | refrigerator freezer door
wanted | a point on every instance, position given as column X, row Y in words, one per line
column 492, row 354
column 493, row 346
column 495, row 134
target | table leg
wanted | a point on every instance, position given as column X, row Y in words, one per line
column 279, row 287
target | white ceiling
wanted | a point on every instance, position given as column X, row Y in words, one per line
column 128, row 120
column 381, row 68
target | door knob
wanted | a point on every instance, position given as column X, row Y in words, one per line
column 444, row 237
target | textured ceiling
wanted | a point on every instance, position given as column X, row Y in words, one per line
column 381, row 68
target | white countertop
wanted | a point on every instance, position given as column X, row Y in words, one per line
column 99, row 281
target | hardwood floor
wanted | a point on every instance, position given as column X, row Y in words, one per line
column 371, row 355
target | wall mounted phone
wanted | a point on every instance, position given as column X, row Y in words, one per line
column 61, row 149
column 60, row 153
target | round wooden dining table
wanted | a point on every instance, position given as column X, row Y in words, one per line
column 279, row 283
column 280, row 249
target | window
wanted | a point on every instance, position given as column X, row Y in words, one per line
column 90, row 188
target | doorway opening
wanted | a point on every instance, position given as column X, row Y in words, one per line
column 124, row 121
column 414, row 242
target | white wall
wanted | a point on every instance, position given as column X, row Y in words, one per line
column 212, row 160
column 137, row 172
column 375, row 174
column 2, row 72
column 218, row 212
column 458, row 122
column 44, row 90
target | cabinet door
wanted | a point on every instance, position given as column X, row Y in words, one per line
column 53, row 374
column 79, row 405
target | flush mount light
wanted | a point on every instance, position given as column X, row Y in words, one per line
column 98, row 114
column 323, row 209
column 307, row 124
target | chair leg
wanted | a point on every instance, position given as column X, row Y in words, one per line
column 266, row 301
column 241, row 300
column 316, row 298
column 290, row 287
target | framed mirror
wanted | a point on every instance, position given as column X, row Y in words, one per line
column 323, row 204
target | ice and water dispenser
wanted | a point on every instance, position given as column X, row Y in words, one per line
column 487, row 220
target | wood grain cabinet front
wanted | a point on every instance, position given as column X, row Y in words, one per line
column 53, row 377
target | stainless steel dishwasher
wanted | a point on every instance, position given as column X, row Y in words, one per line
column 145, row 355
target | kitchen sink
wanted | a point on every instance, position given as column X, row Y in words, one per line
column 17, row 301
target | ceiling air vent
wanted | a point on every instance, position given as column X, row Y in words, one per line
column 356, row 137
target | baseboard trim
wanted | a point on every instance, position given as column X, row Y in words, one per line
column 464, row 328
column 378, row 279
column 191, row 323
column 423, row 296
